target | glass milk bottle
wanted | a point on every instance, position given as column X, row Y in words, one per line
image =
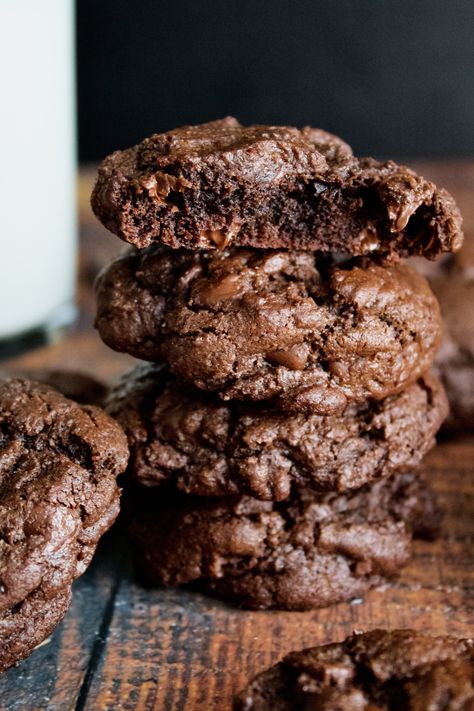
column 37, row 172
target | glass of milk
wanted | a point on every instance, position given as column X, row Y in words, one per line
column 37, row 172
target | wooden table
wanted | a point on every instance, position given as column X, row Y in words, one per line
column 124, row 647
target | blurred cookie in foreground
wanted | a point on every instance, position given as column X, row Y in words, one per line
column 397, row 670
column 59, row 464
column 312, row 550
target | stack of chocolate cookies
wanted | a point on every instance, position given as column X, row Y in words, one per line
column 276, row 430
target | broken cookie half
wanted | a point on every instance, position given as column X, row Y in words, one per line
column 221, row 183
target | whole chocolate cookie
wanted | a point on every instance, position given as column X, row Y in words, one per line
column 202, row 187
column 311, row 550
column 58, row 494
column 261, row 324
column 379, row 670
column 204, row 446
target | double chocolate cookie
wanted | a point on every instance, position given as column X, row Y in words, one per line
column 196, row 442
column 58, row 494
column 204, row 187
column 453, row 284
column 262, row 324
column 378, row 670
column 83, row 388
column 24, row 626
column 311, row 550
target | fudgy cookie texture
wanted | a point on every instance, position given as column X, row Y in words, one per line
column 58, row 494
column 308, row 551
column 262, row 324
column 380, row 670
column 453, row 283
column 202, row 187
column 196, row 442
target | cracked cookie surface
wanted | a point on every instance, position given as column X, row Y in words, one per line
column 262, row 324
column 205, row 186
column 59, row 464
column 380, row 670
column 311, row 550
column 196, row 442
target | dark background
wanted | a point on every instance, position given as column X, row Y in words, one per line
column 392, row 77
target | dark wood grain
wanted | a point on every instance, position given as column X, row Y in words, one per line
column 122, row 646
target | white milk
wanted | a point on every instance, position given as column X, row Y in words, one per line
column 37, row 165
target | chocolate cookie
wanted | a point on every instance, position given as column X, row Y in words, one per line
column 58, row 494
column 83, row 388
column 256, row 325
column 379, row 670
column 203, row 187
column 204, row 446
column 453, row 284
column 27, row 624
column 312, row 550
